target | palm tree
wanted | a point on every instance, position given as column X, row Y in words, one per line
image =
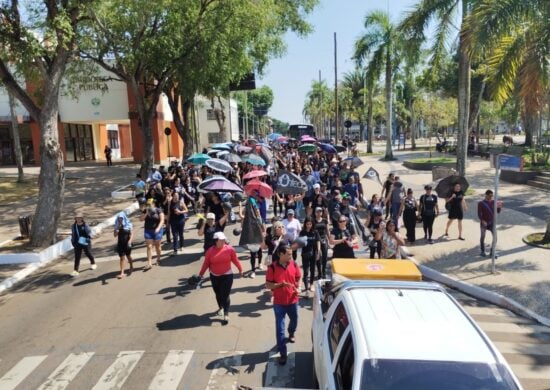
column 513, row 36
column 414, row 26
column 318, row 105
column 380, row 47
column 355, row 81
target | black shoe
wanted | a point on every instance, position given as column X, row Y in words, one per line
column 282, row 360
column 483, row 254
column 291, row 338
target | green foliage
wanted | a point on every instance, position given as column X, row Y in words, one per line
column 279, row 126
column 261, row 100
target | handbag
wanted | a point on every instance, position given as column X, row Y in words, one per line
column 448, row 206
column 81, row 239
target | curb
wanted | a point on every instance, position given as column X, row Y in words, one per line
column 55, row 251
column 478, row 292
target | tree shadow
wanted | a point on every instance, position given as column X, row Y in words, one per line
column 229, row 363
column 104, row 278
column 44, row 280
column 187, row 321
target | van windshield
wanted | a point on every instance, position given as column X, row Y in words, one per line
column 392, row 374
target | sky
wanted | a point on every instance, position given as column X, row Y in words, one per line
column 290, row 77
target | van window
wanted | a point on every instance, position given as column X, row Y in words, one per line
column 338, row 325
column 343, row 373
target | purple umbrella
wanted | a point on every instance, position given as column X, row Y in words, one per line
column 222, row 186
column 327, row 148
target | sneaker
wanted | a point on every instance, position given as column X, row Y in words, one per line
column 225, row 319
column 174, row 253
column 261, row 267
column 252, row 275
column 430, row 241
column 282, row 360
column 75, row 273
column 483, row 254
column 220, row 313
column 94, row 266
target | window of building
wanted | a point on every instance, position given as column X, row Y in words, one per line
column 112, row 136
column 210, row 114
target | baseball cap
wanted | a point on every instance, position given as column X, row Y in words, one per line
column 316, row 185
column 210, row 216
column 318, row 209
column 219, row 236
column 290, row 212
column 346, row 196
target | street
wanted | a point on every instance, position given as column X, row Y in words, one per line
column 151, row 330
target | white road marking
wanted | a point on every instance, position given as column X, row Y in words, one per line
column 170, row 373
column 20, row 371
column 66, row 371
column 225, row 376
column 280, row 376
column 117, row 373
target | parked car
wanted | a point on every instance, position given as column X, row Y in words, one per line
column 399, row 334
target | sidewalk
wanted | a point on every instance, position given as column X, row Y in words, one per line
column 522, row 271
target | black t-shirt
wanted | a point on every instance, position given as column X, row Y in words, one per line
column 209, row 236
column 428, row 203
column 456, row 202
column 218, row 211
column 271, row 242
column 152, row 219
column 312, row 237
column 322, row 228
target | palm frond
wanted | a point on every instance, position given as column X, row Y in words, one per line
column 441, row 37
column 416, row 22
column 378, row 18
column 366, row 44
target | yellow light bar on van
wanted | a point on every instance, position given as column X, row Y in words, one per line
column 376, row 269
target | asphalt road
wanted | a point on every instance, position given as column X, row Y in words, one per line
column 152, row 330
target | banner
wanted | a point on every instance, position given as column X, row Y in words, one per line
column 251, row 233
column 290, row 183
column 372, row 174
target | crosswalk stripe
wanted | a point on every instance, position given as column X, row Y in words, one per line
column 224, row 376
column 277, row 375
column 66, row 371
column 527, row 349
column 170, row 373
column 117, row 373
column 487, row 310
column 20, row 371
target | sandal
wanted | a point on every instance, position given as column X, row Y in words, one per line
column 147, row 267
column 121, row 276
column 461, row 238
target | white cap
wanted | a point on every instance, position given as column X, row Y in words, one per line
column 316, row 185
column 219, row 236
column 210, row 216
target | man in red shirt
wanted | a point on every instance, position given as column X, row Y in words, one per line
column 283, row 279
column 217, row 260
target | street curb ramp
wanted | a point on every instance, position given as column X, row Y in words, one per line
column 46, row 256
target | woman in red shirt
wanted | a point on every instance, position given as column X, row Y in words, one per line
column 218, row 261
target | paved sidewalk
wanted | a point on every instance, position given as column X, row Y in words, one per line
column 522, row 271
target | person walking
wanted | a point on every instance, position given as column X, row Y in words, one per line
column 177, row 215
column 124, row 234
column 217, row 261
column 428, row 210
column 292, row 228
column 207, row 229
column 82, row 241
column 386, row 189
column 311, row 253
column 457, row 207
column 108, row 155
column 342, row 240
column 320, row 224
column 153, row 218
column 394, row 197
column 283, row 279
column 391, row 240
column 408, row 210
column 376, row 226
column 485, row 213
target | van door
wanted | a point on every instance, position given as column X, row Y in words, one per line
column 334, row 335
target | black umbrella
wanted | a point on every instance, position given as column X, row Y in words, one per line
column 266, row 154
column 340, row 148
column 445, row 186
column 290, row 183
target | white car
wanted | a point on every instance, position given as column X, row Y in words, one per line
column 373, row 334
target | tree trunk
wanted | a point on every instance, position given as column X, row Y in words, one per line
column 220, row 117
column 476, row 106
column 413, row 126
column 370, row 128
column 547, row 234
column 389, row 151
column 16, row 140
column 531, row 106
column 145, row 116
column 187, row 138
column 463, row 103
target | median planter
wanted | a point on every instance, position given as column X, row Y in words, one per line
column 428, row 165
column 517, row 177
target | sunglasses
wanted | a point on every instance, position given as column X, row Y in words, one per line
column 342, row 221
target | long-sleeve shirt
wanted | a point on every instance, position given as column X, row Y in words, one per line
column 485, row 210
column 218, row 261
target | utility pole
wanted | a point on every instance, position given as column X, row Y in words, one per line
column 336, row 90
column 245, row 114
column 322, row 121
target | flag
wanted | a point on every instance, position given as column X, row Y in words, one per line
column 372, row 174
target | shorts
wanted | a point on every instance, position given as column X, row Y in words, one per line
column 151, row 235
column 123, row 249
column 456, row 213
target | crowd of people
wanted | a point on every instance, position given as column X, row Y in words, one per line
column 329, row 213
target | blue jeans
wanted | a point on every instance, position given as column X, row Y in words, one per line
column 280, row 312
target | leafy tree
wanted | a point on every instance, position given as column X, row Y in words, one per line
column 261, row 100
column 380, row 47
column 319, row 105
column 279, row 126
column 415, row 25
column 37, row 41
column 355, row 82
column 514, row 36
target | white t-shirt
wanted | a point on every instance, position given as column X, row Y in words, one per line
column 292, row 228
